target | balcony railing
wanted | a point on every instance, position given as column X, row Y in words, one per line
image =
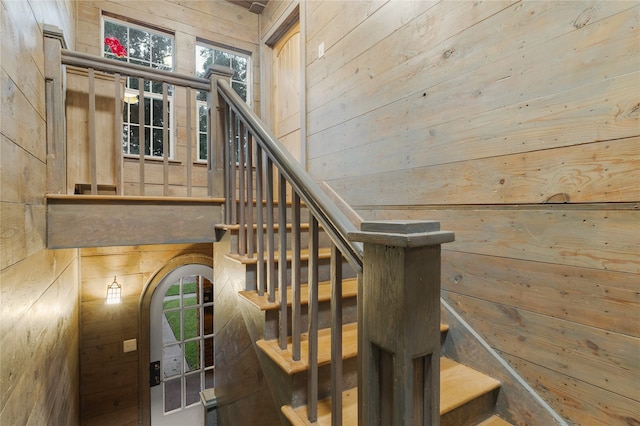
column 86, row 101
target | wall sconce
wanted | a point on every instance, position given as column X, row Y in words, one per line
column 114, row 292
column 131, row 99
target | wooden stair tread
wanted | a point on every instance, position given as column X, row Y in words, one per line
column 460, row 384
column 494, row 421
column 298, row 416
column 349, row 289
column 323, row 253
column 282, row 357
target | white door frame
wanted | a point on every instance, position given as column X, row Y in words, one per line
column 144, row 399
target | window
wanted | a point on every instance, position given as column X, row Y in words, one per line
column 240, row 81
column 153, row 49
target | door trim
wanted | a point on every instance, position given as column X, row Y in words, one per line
column 144, row 340
column 295, row 12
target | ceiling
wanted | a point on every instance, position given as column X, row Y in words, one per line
column 253, row 6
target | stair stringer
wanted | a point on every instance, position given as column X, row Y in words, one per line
column 517, row 402
column 243, row 391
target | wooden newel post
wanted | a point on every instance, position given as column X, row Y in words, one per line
column 216, row 126
column 400, row 322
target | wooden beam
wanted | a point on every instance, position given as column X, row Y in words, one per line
column 93, row 221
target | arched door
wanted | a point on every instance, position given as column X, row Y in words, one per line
column 181, row 345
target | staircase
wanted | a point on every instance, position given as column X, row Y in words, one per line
column 467, row 397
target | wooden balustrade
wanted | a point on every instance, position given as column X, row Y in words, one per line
column 95, row 88
column 399, row 364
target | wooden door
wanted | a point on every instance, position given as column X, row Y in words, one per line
column 286, row 90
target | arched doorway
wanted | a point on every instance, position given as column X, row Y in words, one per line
column 178, row 306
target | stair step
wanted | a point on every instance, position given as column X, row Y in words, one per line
column 459, row 384
column 494, row 421
column 323, row 253
column 282, row 357
column 349, row 289
column 298, row 416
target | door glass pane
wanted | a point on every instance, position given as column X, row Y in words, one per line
column 192, row 384
column 209, row 376
column 191, row 323
column 207, row 320
column 208, row 352
column 172, row 357
column 172, row 394
column 192, row 355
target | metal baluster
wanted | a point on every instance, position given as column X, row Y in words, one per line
column 312, row 391
column 271, row 269
column 262, row 282
column 282, row 264
column 336, row 336
column 296, row 326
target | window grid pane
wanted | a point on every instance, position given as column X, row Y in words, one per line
column 147, row 48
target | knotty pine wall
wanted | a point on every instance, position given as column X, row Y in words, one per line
column 515, row 124
column 216, row 21
column 38, row 287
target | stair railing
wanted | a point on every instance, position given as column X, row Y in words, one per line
column 398, row 292
column 258, row 167
column 95, row 91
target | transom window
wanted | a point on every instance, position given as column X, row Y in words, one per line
column 239, row 62
column 149, row 48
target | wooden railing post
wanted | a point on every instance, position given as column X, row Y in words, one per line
column 216, row 129
column 399, row 329
column 55, row 109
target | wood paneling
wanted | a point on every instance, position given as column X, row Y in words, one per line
column 516, row 125
column 597, row 172
column 77, row 221
column 588, row 297
column 241, row 389
column 109, row 377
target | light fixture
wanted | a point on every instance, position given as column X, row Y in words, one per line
column 114, row 292
column 130, row 98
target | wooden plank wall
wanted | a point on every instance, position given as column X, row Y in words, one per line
column 219, row 22
column 38, row 287
column 108, row 376
column 516, row 124
column 242, row 388
column 215, row 21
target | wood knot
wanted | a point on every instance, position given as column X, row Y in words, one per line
column 448, row 53
column 584, row 18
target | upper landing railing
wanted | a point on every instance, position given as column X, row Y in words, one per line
column 85, row 106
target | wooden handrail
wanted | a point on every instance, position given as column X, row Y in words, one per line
column 332, row 219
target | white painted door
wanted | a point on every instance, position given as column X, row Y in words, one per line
column 182, row 342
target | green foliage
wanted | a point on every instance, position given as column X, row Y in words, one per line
column 191, row 327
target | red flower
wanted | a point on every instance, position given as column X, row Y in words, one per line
column 115, row 46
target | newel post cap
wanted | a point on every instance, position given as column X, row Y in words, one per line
column 402, row 233
column 218, row 71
